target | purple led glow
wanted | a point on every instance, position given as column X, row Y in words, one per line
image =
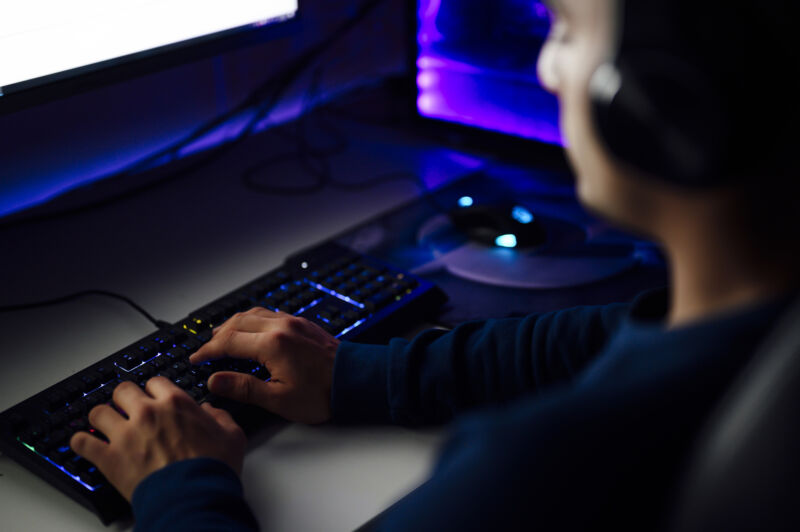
column 464, row 81
column 427, row 79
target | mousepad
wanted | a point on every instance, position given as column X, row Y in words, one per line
column 582, row 261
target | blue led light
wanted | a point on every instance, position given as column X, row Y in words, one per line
column 347, row 330
column 309, row 306
column 522, row 215
column 506, row 241
column 337, row 294
column 73, row 477
column 465, row 201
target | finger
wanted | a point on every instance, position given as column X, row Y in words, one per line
column 222, row 417
column 160, row 387
column 105, row 419
column 128, row 396
column 91, row 448
column 250, row 321
column 242, row 387
column 255, row 322
column 228, row 342
column 265, row 312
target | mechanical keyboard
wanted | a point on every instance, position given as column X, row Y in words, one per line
column 351, row 296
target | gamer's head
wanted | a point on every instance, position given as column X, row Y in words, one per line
column 668, row 105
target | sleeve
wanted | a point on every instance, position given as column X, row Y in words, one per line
column 565, row 461
column 440, row 374
column 200, row 494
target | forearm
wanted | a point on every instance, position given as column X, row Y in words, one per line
column 440, row 374
column 193, row 495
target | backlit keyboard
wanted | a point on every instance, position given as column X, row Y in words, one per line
column 351, row 296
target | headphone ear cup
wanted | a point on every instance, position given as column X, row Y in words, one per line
column 663, row 117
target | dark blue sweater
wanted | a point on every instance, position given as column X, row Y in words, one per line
column 579, row 419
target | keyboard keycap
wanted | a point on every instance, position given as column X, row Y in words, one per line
column 129, row 361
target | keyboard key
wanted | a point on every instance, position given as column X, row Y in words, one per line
column 73, row 390
column 350, row 316
column 183, row 382
column 128, row 361
column 105, row 374
column 378, row 301
column 93, row 400
column 142, row 375
column 89, row 382
column 160, row 362
column 147, row 349
column 337, row 325
column 55, row 400
column 191, row 345
column 177, row 353
column 61, row 455
column 91, row 476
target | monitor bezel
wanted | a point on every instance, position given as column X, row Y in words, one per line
column 62, row 85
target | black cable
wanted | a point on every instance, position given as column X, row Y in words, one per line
column 315, row 160
column 69, row 297
column 270, row 92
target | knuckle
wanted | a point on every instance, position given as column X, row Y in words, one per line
column 176, row 398
column 280, row 337
column 294, row 324
column 230, row 322
column 237, row 434
column 226, row 335
column 147, row 412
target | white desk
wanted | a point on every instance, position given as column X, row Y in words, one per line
column 173, row 249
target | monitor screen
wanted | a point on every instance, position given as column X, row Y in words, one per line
column 476, row 66
column 42, row 41
column 51, row 49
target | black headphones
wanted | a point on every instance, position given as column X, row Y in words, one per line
column 653, row 107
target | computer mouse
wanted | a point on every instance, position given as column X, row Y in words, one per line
column 498, row 225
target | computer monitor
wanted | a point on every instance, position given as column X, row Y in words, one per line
column 51, row 48
column 476, row 67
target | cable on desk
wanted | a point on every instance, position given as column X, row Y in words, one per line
column 313, row 159
column 263, row 99
column 69, row 297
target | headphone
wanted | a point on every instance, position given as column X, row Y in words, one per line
column 654, row 108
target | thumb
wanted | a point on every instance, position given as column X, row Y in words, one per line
column 241, row 387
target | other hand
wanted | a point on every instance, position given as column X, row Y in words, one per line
column 298, row 354
column 163, row 425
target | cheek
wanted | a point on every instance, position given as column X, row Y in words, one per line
column 585, row 150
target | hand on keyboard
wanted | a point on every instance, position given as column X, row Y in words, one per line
column 163, row 425
column 298, row 354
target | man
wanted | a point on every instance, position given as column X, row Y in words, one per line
column 588, row 413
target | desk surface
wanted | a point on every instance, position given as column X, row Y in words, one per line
column 173, row 249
